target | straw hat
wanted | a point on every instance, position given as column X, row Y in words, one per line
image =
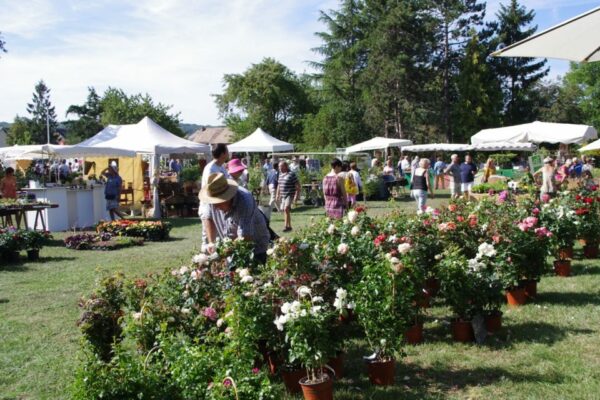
column 234, row 166
column 218, row 189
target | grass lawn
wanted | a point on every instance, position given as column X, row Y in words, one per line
column 549, row 349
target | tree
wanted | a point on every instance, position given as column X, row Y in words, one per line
column 89, row 116
column 479, row 102
column 582, row 87
column 42, row 114
column 116, row 107
column 519, row 75
column 19, row 132
column 267, row 95
column 397, row 81
column 340, row 119
column 455, row 19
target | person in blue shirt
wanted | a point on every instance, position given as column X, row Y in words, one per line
column 112, row 191
column 468, row 169
column 440, row 176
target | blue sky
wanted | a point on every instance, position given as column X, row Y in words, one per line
column 175, row 50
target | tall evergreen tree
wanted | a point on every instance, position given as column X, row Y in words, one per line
column 519, row 75
column 397, row 82
column 42, row 113
column 340, row 118
column 455, row 18
column 479, row 102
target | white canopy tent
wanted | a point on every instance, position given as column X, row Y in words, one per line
column 537, row 132
column 145, row 137
column 260, row 142
column 378, row 143
column 31, row 152
column 504, row 146
column 432, row 147
column 577, row 39
column 594, row 146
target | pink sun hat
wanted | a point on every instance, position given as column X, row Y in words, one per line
column 235, row 166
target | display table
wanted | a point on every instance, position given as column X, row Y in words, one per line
column 78, row 208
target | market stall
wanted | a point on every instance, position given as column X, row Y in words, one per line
column 537, row 132
column 260, row 142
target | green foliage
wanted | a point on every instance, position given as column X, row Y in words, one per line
column 267, row 95
column 582, row 89
column 190, row 173
column 519, row 75
column 495, row 187
column 20, row 132
column 119, row 108
column 89, row 115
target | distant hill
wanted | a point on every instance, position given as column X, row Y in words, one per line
column 4, row 125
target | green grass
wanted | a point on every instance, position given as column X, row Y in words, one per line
column 549, row 349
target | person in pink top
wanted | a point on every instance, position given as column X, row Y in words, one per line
column 8, row 184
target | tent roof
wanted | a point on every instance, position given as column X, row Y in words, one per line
column 537, row 132
column 144, row 137
column 260, row 142
column 423, row 148
column 30, row 152
column 491, row 146
column 377, row 143
column 594, row 146
column 576, row 40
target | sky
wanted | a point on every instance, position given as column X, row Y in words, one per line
column 175, row 50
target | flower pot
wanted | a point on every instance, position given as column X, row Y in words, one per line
column 33, row 254
column 291, row 379
column 590, row 250
column 565, row 253
column 382, row 372
column 432, row 286
column 317, row 391
column 493, row 322
column 462, row 331
column 516, row 297
column 562, row 267
column 337, row 365
column 530, row 287
column 414, row 334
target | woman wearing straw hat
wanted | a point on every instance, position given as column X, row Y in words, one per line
column 239, row 209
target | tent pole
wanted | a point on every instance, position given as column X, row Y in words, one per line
column 154, row 166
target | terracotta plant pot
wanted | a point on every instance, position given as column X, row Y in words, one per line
column 562, row 267
column 414, row 334
column 590, row 250
column 565, row 253
column 462, row 331
column 337, row 365
column 291, row 379
column 33, row 254
column 317, row 391
column 516, row 297
column 493, row 322
column 432, row 286
column 382, row 372
column 530, row 287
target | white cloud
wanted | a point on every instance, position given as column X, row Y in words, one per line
column 27, row 18
column 175, row 50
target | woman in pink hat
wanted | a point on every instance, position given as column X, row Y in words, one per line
column 238, row 172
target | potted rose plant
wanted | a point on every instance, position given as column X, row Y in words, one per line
column 588, row 230
column 380, row 302
column 33, row 241
column 306, row 323
column 559, row 216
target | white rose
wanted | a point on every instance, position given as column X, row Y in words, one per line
column 315, row 309
column 341, row 293
column 317, row 299
column 185, row 310
column 183, row 270
column 343, row 248
column 137, row 316
column 270, row 252
column 304, row 291
column 337, row 303
column 352, row 216
column 331, row 229
column 247, row 279
column 200, row 259
column 351, row 305
column 304, row 246
column 267, row 285
column 243, row 272
column 355, row 231
column 220, row 322
column 404, row 248
column 285, row 307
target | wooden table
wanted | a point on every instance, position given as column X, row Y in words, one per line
column 20, row 210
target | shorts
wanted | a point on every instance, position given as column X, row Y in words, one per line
column 455, row 189
column 466, row 186
column 286, row 202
